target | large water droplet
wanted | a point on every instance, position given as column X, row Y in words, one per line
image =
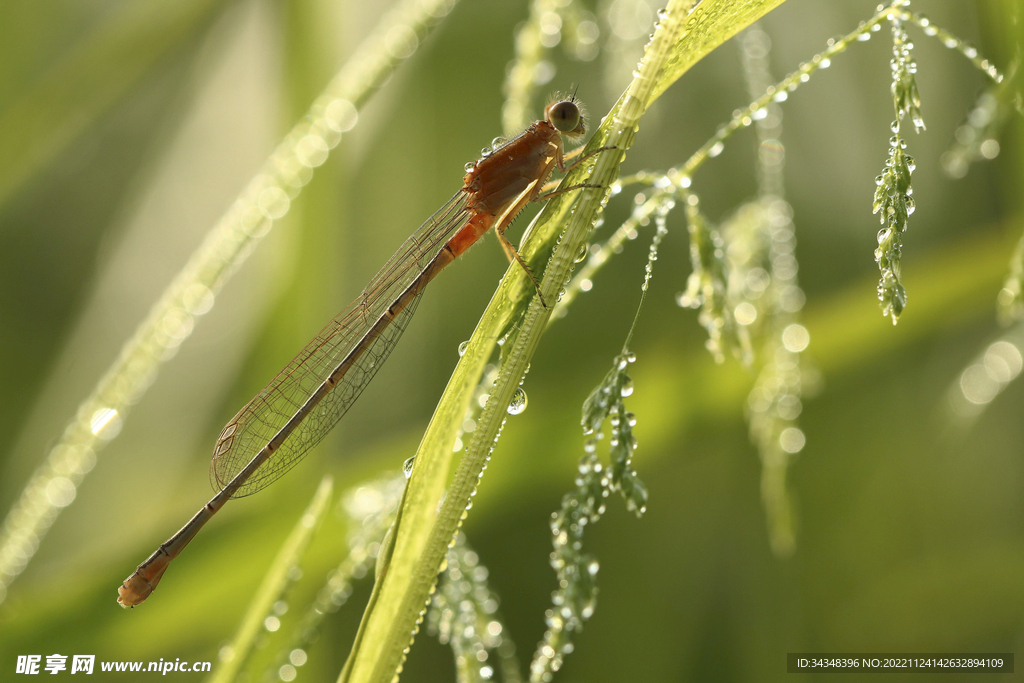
column 518, row 403
column 582, row 253
column 407, row 466
column 462, row 348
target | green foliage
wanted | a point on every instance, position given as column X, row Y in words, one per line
column 904, row 71
column 425, row 530
column 280, row 574
column 894, row 201
column 707, row 287
column 893, row 192
column 464, row 614
column 605, row 403
column 369, row 509
column 698, row 565
column 576, row 598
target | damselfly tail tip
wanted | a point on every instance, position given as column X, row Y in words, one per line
column 143, row 581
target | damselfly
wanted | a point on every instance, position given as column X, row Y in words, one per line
column 306, row 399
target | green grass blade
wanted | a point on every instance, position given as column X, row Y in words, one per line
column 712, row 23
column 274, row 583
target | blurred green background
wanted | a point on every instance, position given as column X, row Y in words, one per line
column 127, row 127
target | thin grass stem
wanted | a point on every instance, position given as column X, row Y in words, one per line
column 277, row 579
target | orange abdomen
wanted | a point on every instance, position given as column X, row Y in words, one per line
column 470, row 233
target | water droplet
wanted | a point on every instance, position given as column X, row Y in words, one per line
column 627, row 387
column 407, row 466
column 582, row 253
column 462, row 348
column 486, row 152
column 497, row 142
column 470, row 165
column 518, row 403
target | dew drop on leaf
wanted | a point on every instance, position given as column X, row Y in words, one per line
column 518, row 403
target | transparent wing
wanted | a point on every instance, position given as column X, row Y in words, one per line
column 264, row 416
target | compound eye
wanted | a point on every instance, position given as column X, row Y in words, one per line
column 564, row 116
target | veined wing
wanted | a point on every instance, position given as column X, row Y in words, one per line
column 270, row 410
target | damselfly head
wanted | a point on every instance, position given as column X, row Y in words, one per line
column 566, row 117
